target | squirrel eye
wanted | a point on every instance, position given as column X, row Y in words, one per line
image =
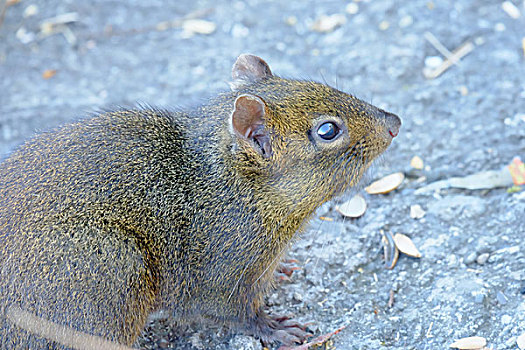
column 328, row 131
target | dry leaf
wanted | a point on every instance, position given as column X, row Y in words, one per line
column 198, row 26
column 49, row 73
column 416, row 212
column 483, row 180
column 406, row 246
column 386, row 184
column 325, row 24
column 517, row 171
column 417, row 163
column 469, row 343
column 353, row 208
column 521, row 341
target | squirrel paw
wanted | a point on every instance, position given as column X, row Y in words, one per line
column 281, row 329
column 286, row 268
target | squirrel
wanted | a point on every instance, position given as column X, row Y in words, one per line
column 107, row 219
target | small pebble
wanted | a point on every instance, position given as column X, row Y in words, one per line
column 470, row 258
column 433, row 61
column 416, row 212
column 506, row 319
column 31, row 10
column 499, row 27
column 297, row 297
column 406, row 21
column 510, row 342
column 479, row 298
column 196, row 341
column 501, row 298
column 325, row 24
column 482, row 258
column 352, row 8
column 291, row 21
column 522, row 290
column 240, row 31
column 24, row 36
column 384, row 25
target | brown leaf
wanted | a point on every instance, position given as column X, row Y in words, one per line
column 49, row 73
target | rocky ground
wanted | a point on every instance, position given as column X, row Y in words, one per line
column 471, row 277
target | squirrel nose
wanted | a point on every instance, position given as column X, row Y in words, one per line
column 393, row 123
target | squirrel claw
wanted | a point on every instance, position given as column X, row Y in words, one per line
column 283, row 329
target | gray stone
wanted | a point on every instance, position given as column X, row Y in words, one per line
column 244, row 342
column 450, row 208
column 482, row 258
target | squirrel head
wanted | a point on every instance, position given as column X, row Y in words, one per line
column 303, row 139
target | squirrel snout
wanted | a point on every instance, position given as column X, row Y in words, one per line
column 393, row 123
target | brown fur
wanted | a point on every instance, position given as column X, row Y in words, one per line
column 105, row 220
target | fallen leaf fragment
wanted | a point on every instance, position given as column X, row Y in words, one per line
column 521, row 341
column 390, row 250
column 479, row 181
column 198, row 26
column 320, row 340
column 353, row 208
column 469, row 343
column 514, row 174
column 49, row 73
column 417, row 163
column 386, row 184
column 406, row 246
column 416, row 212
column 517, row 171
column 511, row 9
column 326, row 24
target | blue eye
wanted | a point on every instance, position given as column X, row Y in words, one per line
column 328, row 131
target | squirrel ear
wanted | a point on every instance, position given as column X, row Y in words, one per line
column 249, row 69
column 248, row 123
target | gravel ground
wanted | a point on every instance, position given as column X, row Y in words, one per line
column 471, row 277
